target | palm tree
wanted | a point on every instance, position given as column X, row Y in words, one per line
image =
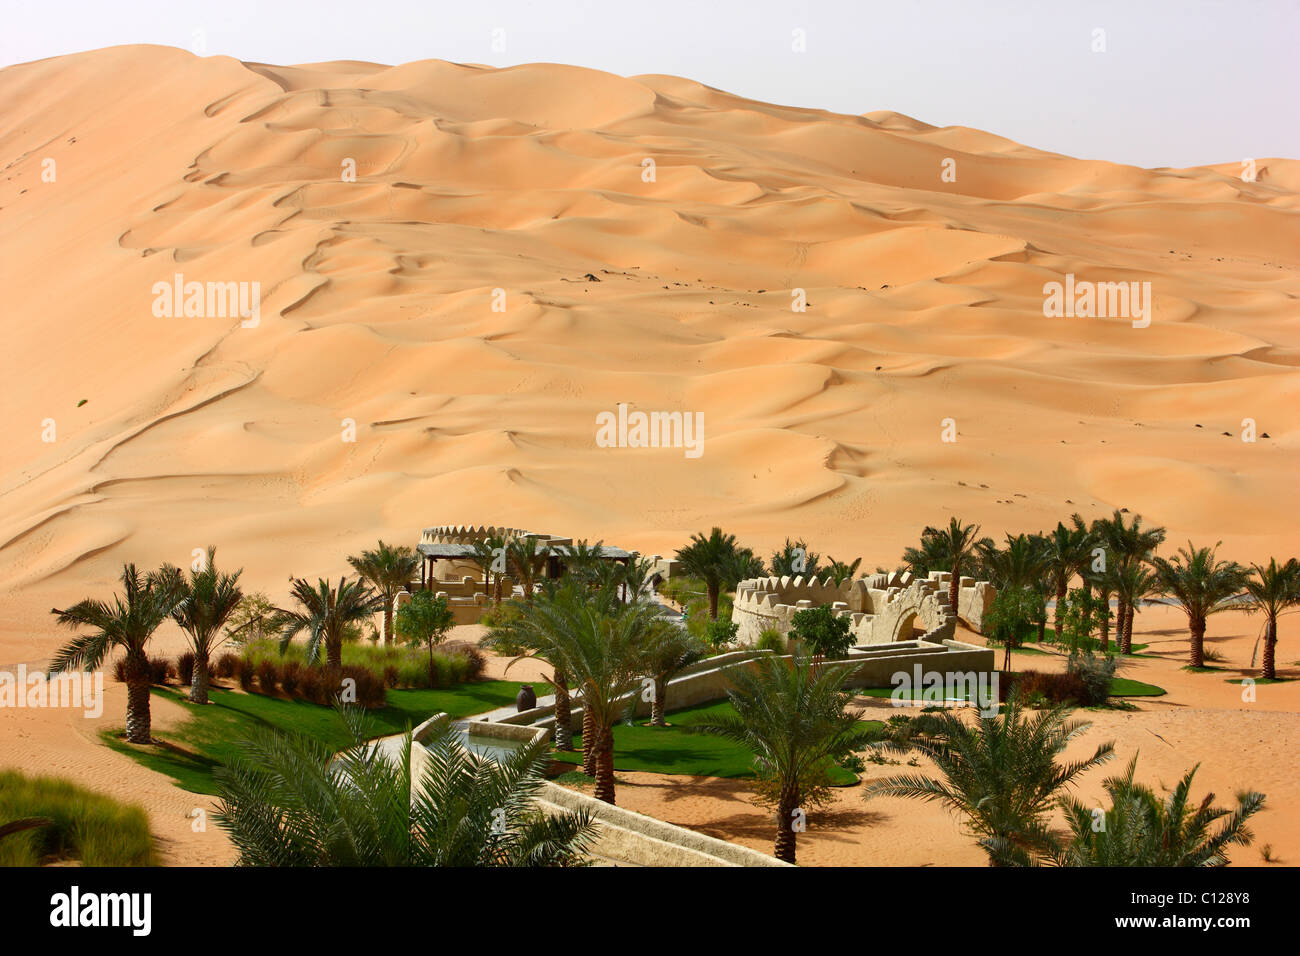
column 841, row 572
column 389, row 570
column 604, row 646
column 128, row 622
column 1126, row 544
column 291, row 801
column 526, row 556
column 1201, row 585
column 581, row 559
column 1270, row 592
column 1066, row 552
column 1020, row 566
column 517, row 631
column 998, row 772
column 958, row 544
column 790, row 713
column 795, row 558
column 714, row 560
column 676, row 649
column 487, row 553
column 1133, row 582
column 209, row 600
column 1140, row 829
column 325, row 614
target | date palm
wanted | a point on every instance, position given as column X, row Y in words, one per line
column 841, row 571
column 209, row 599
column 291, row 801
column 127, row 621
column 1125, row 545
column 1000, row 773
column 1067, row 553
column 714, row 560
column 1271, row 590
column 526, row 556
column 1200, row 585
column 795, row 558
column 325, row 613
column 791, row 714
column 389, row 570
column 1133, row 582
column 1141, row 829
column 676, row 649
column 958, row 545
column 603, row 646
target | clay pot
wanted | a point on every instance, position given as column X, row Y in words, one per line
column 527, row 698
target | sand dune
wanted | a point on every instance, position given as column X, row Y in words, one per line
column 925, row 302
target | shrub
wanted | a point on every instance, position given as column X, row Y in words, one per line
column 1036, row 686
column 185, row 667
column 160, row 670
column 1095, row 672
column 226, row 666
column 391, row 676
column 268, row 676
column 475, row 660
column 823, row 630
column 771, row 640
column 369, row 687
column 290, row 675
column 245, row 675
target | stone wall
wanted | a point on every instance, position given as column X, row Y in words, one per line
column 882, row 608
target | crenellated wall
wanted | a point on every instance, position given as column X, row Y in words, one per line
column 883, row 608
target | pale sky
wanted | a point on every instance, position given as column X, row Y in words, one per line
column 1178, row 84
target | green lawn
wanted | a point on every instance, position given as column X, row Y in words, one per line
column 673, row 750
column 1124, row 687
column 190, row 753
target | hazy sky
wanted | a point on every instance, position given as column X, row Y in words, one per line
column 1178, row 84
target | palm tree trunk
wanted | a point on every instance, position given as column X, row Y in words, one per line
column 1198, row 643
column 589, row 743
column 388, row 618
column 1270, row 642
column 334, row 653
column 954, row 588
column 1103, row 621
column 605, row 765
column 660, row 699
column 713, row 601
column 1126, row 640
column 200, row 679
column 1058, row 623
column 785, row 835
column 138, row 724
column 563, row 713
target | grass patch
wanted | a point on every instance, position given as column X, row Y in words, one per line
column 674, row 751
column 1203, row 669
column 1260, row 680
column 1124, row 687
column 190, row 754
column 86, row 826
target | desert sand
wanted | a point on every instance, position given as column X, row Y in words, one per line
column 130, row 436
